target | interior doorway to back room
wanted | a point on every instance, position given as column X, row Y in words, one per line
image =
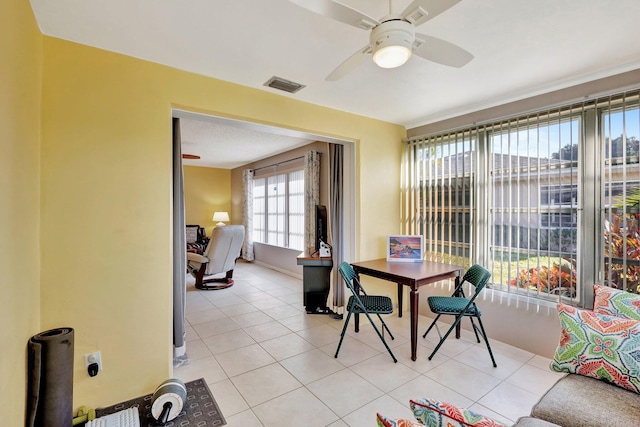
column 217, row 149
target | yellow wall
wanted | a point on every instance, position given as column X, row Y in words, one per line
column 106, row 200
column 20, row 86
column 206, row 190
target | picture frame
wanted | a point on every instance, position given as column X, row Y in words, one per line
column 405, row 248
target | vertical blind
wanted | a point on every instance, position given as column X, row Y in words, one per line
column 536, row 199
column 533, row 203
column 620, row 133
column 437, row 195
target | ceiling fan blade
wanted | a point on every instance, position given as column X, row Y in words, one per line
column 420, row 11
column 339, row 12
column 350, row 64
column 190, row 156
column 440, row 51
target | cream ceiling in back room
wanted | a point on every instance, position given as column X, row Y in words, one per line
column 228, row 144
column 520, row 48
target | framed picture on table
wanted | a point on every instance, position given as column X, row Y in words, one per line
column 405, row 248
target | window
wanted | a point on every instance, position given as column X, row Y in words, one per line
column 533, row 206
column 558, row 195
column 441, row 199
column 538, row 200
column 278, row 209
column 296, row 210
column 621, row 196
column 259, row 210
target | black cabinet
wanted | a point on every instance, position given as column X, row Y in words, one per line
column 316, row 280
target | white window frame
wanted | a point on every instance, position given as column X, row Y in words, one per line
column 279, row 230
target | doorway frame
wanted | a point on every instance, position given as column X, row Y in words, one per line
column 349, row 213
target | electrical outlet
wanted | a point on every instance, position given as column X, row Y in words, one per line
column 94, row 357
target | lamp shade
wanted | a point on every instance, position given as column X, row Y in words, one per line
column 221, row 217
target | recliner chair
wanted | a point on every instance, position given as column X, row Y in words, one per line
column 219, row 257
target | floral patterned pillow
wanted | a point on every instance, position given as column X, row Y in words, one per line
column 599, row 346
column 388, row 422
column 615, row 302
column 433, row 413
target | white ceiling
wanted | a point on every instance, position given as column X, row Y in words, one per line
column 228, row 144
column 521, row 48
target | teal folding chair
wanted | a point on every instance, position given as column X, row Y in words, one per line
column 361, row 303
column 459, row 306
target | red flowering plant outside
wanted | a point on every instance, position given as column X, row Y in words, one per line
column 557, row 279
column 622, row 245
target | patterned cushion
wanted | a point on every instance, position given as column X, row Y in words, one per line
column 432, row 413
column 616, row 302
column 388, row 422
column 599, row 346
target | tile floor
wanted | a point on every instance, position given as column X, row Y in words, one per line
column 268, row 363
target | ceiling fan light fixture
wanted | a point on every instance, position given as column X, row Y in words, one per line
column 392, row 42
column 391, row 56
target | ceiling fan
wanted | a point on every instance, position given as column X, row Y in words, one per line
column 191, row 156
column 392, row 39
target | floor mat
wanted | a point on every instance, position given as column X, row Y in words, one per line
column 200, row 409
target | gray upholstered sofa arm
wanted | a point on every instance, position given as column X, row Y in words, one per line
column 533, row 422
column 578, row 401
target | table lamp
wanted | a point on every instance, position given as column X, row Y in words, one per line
column 221, row 217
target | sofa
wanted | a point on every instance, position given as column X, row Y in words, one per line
column 599, row 350
column 579, row 401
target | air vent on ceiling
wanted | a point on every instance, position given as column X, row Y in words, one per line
column 283, row 84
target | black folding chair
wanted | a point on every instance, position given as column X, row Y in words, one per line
column 459, row 306
column 361, row 303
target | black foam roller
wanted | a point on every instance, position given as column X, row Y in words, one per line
column 50, row 376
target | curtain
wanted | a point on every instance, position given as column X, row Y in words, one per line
column 179, row 253
column 312, row 196
column 247, row 214
column 335, row 219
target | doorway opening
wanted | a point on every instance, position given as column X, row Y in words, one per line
column 227, row 136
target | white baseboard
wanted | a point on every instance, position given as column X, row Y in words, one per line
column 281, row 270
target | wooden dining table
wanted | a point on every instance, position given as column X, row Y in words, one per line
column 411, row 274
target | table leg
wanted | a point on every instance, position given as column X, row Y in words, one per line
column 400, row 300
column 413, row 305
column 356, row 316
column 457, row 295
